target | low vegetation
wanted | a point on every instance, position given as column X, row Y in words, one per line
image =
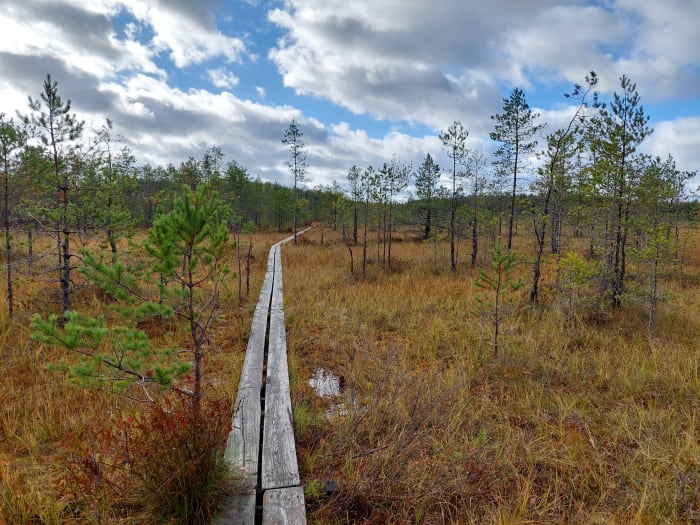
column 549, row 376
column 581, row 417
column 75, row 451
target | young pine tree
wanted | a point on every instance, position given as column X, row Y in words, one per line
column 499, row 281
column 427, row 181
column 616, row 133
column 188, row 247
column 57, row 129
column 516, row 129
column 454, row 141
column 293, row 137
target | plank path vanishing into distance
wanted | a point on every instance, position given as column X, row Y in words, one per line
column 261, row 442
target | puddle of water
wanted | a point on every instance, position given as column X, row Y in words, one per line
column 325, row 383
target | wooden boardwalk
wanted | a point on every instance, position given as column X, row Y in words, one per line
column 261, row 441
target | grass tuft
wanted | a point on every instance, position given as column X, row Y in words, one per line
column 73, row 455
column 584, row 416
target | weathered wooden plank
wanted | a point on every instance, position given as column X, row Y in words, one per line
column 278, row 262
column 265, row 291
column 277, row 298
column 283, row 501
column 284, row 507
column 243, row 444
column 279, row 464
column 251, row 373
column 239, row 508
column 271, row 261
column 279, row 460
column 277, row 302
column 277, row 368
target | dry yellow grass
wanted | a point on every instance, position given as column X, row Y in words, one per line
column 44, row 420
column 572, row 423
column 581, row 422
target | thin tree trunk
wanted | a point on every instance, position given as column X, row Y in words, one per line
column 426, row 231
column 65, row 274
column 364, row 241
column 110, row 231
column 539, row 235
column 391, row 227
column 238, row 257
column 295, row 222
column 296, row 196
column 354, row 224
column 475, row 226
column 30, row 245
column 8, row 245
column 512, row 200
column 380, row 236
column 247, row 268
column 620, row 252
column 197, row 339
column 453, row 258
column 497, row 313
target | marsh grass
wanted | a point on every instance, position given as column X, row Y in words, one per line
column 580, row 419
column 63, row 453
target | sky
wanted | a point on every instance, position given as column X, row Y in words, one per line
column 365, row 79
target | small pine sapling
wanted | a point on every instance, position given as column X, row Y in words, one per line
column 121, row 357
column 499, row 282
column 187, row 247
column 574, row 276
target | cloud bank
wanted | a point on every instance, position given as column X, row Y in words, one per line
column 178, row 76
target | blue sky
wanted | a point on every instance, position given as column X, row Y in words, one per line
column 366, row 79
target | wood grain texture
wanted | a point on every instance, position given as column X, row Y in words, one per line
column 277, row 302
column 277, row 368
column 279, row 460
column 283, row 498
column 265, row 291
column 243, row 444
column 284, row 507
column 239, row 508
column 252, row 371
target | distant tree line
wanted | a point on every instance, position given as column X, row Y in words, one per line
column 588, row 185
column 587, row 178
